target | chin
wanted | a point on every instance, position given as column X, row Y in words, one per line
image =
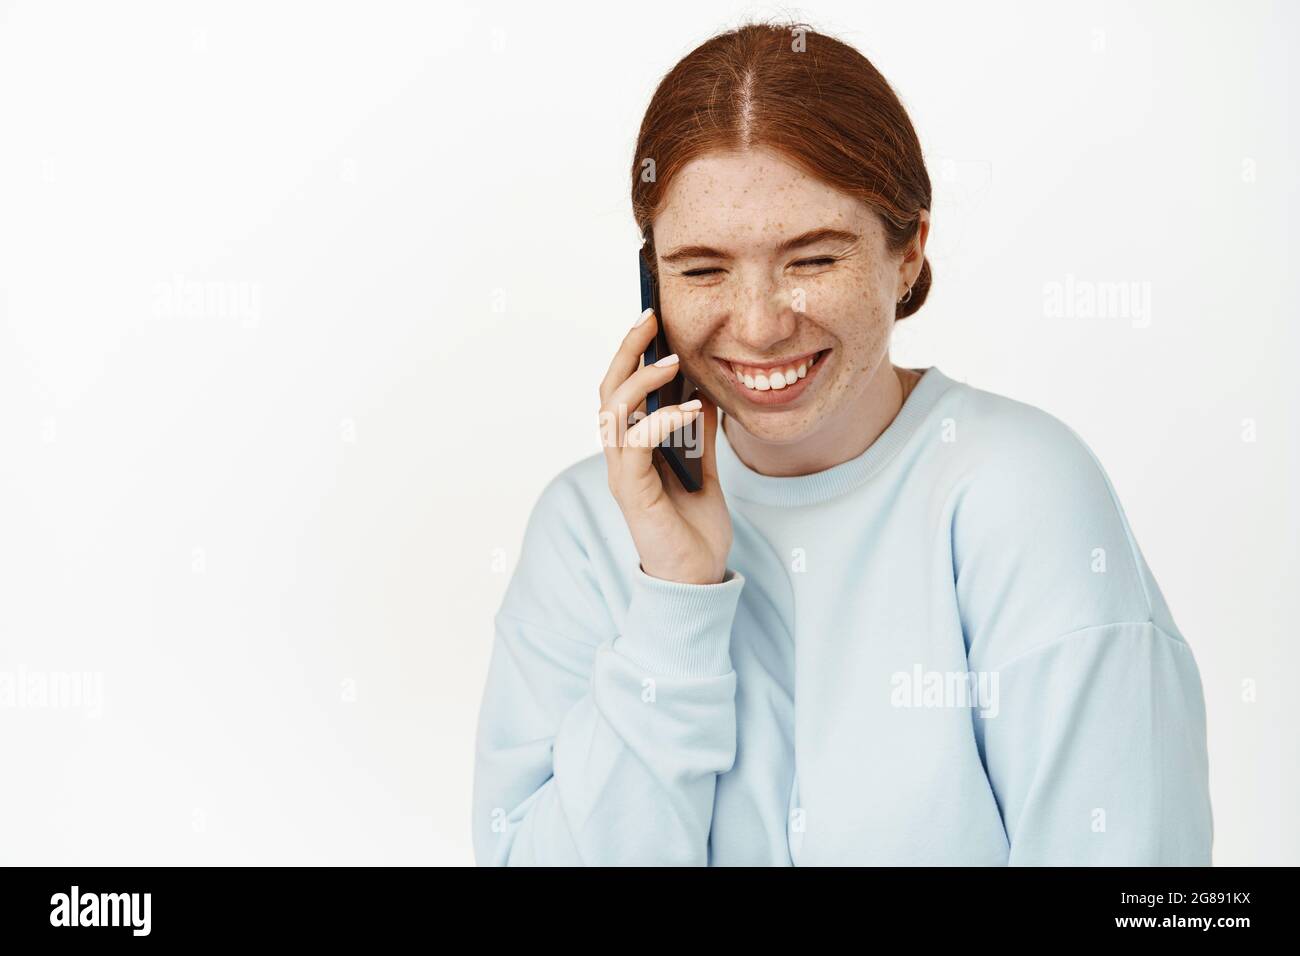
column 782, row 428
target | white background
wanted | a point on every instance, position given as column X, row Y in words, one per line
column 276, row 517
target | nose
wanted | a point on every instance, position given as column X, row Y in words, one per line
column 762, row 316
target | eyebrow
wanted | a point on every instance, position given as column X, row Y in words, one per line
column 803, row 239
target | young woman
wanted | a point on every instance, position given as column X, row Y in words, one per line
column 905, row 620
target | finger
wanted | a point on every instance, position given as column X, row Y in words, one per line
column 629, row 353
column 613, row 425
column 636, row 389
column 649, row 432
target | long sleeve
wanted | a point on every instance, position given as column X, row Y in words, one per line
column 1095, row 749
column 599, row 750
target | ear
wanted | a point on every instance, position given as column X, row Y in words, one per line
column 910, row 268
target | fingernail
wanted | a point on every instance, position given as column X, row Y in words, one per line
column 668, row 360
column 644, row 315
column 690, row 406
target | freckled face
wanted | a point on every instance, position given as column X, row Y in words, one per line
column 736, row 300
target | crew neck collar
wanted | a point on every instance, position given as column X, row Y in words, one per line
column 741, row 481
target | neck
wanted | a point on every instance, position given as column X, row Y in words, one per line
column 843, row 438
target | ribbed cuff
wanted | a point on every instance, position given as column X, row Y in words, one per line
column 680, row 630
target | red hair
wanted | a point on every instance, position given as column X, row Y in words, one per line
column 814, row 99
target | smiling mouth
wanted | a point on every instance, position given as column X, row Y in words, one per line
column 760, row 378
column 774, row 384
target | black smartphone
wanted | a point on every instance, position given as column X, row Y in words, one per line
column 683, row 449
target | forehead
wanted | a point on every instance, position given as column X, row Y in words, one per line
column 755, row 197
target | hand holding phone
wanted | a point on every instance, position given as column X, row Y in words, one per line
column 681, row 450
column 680, row 535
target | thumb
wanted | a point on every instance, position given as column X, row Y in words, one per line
column 709, row 417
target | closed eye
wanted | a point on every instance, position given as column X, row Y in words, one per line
column 819, row 261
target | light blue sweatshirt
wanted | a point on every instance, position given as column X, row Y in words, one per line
column 948, row 650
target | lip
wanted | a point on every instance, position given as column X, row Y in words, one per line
column 779, row 396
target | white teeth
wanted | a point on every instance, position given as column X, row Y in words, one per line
column 775, row 380
column 779, row 379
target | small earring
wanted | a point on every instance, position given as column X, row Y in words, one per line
column 906, row 296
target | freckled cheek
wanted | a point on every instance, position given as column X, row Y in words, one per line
column 846, row 308
column 689, row 323
column 856, row 315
